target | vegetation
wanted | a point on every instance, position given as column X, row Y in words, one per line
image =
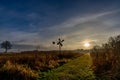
column 10, row 71
column 26, row 66
column 6, row 45
column 77, row 69
column 106, row 59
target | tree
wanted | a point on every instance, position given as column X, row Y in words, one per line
column 59, row 43
column 6, row 45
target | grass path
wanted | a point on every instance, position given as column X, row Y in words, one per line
column 77, row 69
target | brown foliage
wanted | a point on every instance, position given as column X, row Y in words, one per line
column 17, row 72
column 26, row 65
column 106, row 58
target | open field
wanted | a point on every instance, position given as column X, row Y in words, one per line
column 27, row 65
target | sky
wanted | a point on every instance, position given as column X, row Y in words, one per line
column 31, row 23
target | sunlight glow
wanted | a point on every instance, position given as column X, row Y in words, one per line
column 86, row 44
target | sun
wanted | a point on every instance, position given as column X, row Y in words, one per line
column 86, row 44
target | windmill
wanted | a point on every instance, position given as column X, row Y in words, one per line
column 59, row 43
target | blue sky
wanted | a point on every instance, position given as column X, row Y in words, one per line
column 29, row 23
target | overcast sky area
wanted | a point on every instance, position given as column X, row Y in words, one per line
column 30, row 23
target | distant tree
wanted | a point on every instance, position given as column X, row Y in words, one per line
column 59, row 43
column 6, row 45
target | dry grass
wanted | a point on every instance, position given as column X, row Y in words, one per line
column 17, row 72
column 26, row 65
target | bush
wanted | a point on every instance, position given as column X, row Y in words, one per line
column 106, row 58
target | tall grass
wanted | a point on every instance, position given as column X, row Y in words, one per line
column 27, row 65
column 11, row 71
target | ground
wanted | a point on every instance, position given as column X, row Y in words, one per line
column 77, row 69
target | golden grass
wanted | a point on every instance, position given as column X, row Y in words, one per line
column 27, row 65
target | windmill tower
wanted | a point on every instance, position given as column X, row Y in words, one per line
column 59, row 43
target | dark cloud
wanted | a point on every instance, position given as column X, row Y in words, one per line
column 39, row 22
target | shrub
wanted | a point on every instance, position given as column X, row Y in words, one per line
column 106, row 58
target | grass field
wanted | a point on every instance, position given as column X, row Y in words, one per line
column 77, row 69
column 27, row 65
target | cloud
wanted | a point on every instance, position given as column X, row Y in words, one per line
column 92, row 27
column 79, row 20
column 40, row 23
column 77, row 24
column 78, row 29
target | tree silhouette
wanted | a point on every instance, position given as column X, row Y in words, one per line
column 59, row 43
column 6, row 45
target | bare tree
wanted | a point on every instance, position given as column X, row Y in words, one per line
column 6, row 45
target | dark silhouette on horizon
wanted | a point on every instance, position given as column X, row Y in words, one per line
column 6, row 45
column 59, row 43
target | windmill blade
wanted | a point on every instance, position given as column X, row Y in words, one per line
column 59, row 39
column 62, row 40
column 53, row 42
column 61, row 44
column 58, row 43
